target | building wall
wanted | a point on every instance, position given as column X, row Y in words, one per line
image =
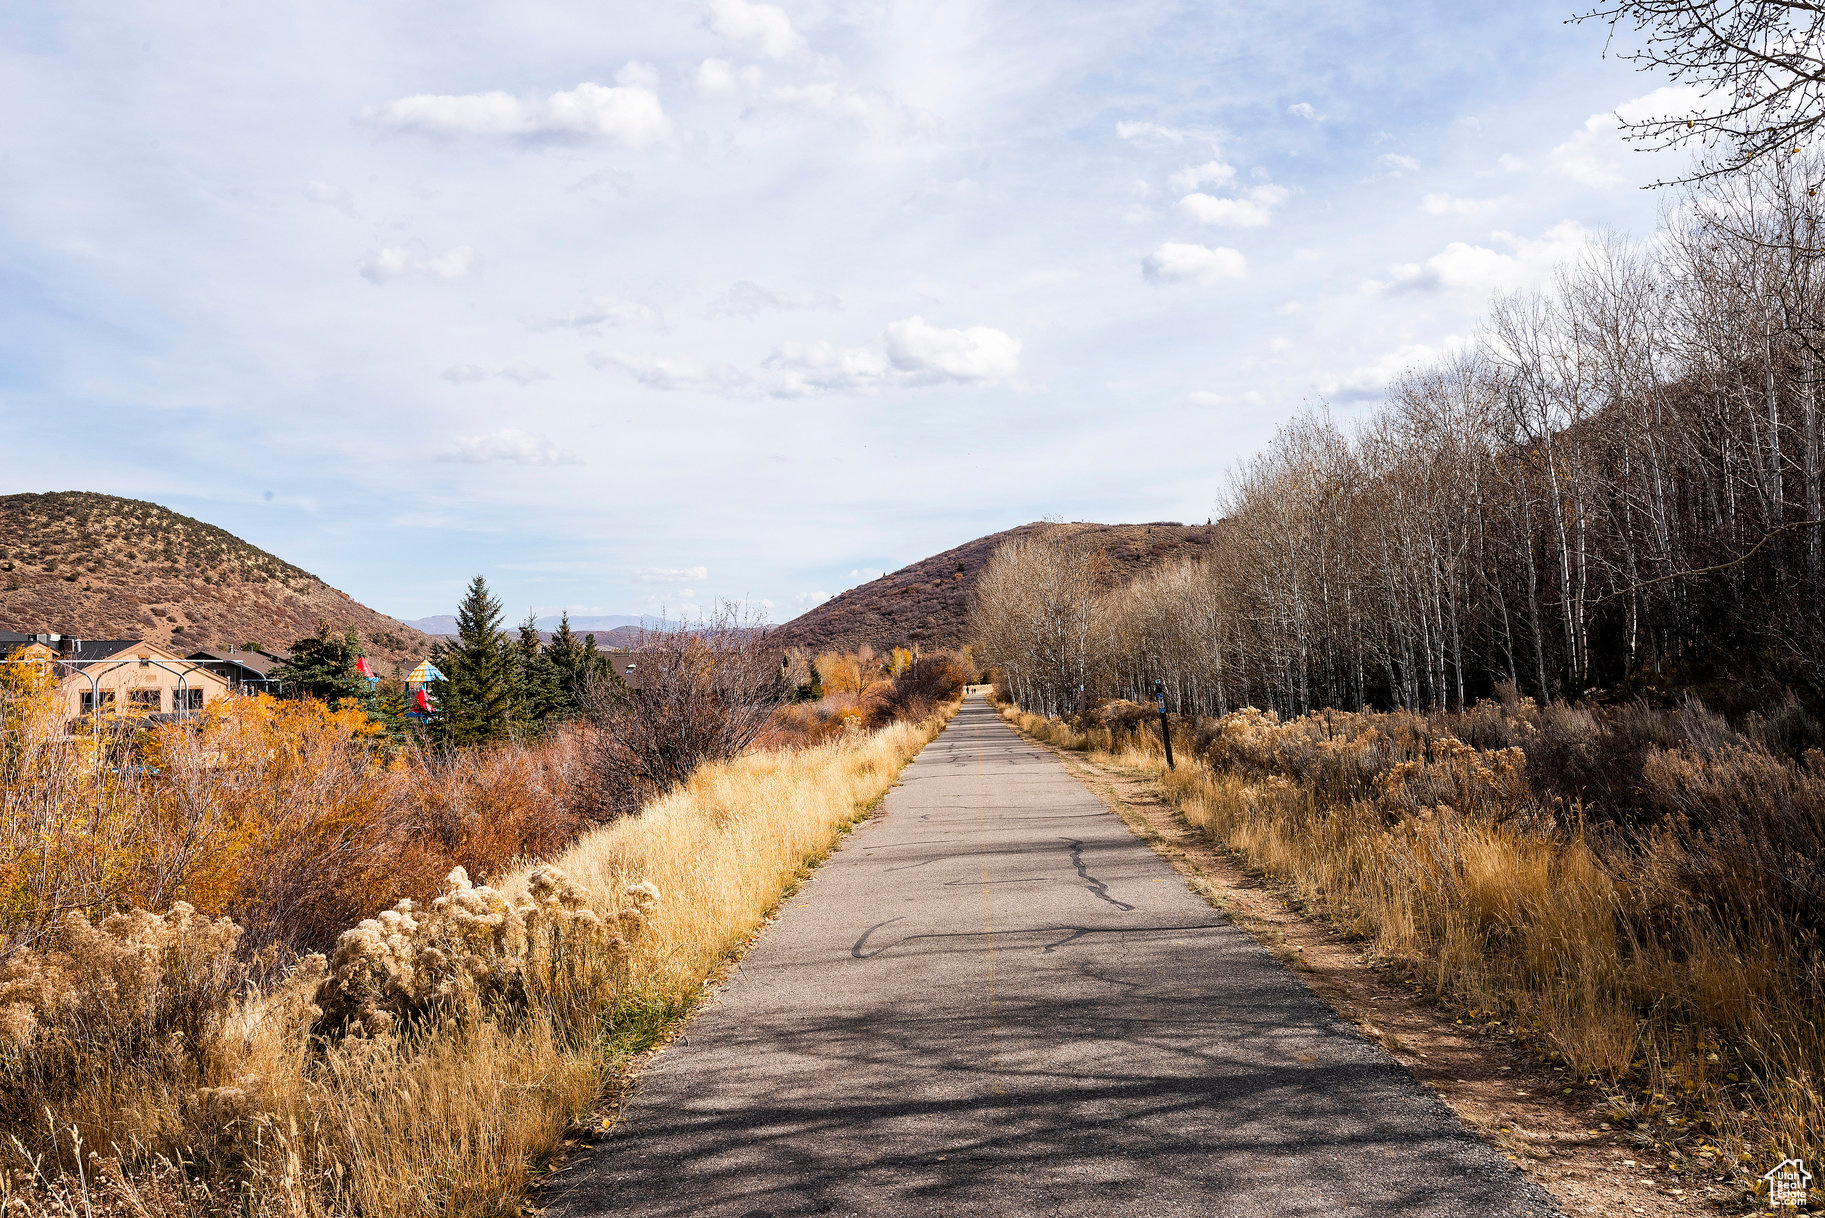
column 141, row 688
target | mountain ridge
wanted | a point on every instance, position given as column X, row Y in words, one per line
column 102, row 566
column 926, row 603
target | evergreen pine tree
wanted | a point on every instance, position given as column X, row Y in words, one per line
column 538, row 675
column 477, row 696
column 323, row 666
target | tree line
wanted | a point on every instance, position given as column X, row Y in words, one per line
column 1615, row 486
column 495, row 685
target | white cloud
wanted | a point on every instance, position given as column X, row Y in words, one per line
column 1594, row 154
column 603, row 311
column 1154, row 135
column 519, row 374
column 1252, row 210
column 1210, row 173
column 330, row 195
column 1177, row 262
column 1451, row 205
column 1372, row 380
column 1396, row 163
column 716, row 76
column 747, row 299
column 928, row 353
column 523, row 374
column 510, row 445
column 1509, row 163
column 808, row 599
column 1303, row 110
column 759, row 27
column 396, row 262
column 885, row 117
column 1304, row 254
column 1478, row 269
column 629, row 112
column 822, row 367
column 659, row 372
column 1205, row 397
column 672, row 575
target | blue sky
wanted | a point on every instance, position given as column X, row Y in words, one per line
column 631, row 307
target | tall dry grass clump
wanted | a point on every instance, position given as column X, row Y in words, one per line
column 183, row 1063
column 1671, row 948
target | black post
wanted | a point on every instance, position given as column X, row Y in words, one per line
column 1159, row 690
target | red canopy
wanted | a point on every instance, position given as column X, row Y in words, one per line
column 361, row 667
column 421, row 703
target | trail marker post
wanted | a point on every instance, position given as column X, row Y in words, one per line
column 1159, row 692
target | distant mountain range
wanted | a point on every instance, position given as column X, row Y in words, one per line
column 445, row 623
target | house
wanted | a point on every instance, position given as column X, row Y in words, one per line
column 246, row 672
column 117, row 677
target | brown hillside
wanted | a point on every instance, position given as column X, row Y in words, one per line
column 927, row 603
column 100, row 567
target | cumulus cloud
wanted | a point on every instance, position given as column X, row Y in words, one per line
column 1206, row 397
column 1155, row 135
column 1192, row 177
column 917, row 353
column 330, row 195
column 1251, row 210
column 822, row 367
column 510, row 445
column 1479, row 269
column 397, row 262
column 1181, row 262
column 885, row 117
column 660, row 372
column 628, row 112
column 720, row 76
column 672, row 575
column 1451, row 205
column 1395, row 163
column 764, row 28
column 1303, row 110
column 928, row 353
column 519, row 374
column 603, row 311
column 1594, row 154
column 1372, row 380
column 748, row 299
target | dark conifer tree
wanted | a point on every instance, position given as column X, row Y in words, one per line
column 477, row 698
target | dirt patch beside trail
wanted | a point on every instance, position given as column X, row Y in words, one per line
column 1556, row 1129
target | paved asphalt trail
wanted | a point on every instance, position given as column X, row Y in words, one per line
column 996, row 1000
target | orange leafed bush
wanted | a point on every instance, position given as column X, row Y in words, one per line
column 287, row 816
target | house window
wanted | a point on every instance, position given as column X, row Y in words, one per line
column 144, row 699
column 192, row 699
column 88, row 701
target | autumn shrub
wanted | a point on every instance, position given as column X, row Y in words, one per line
column 176, row 1063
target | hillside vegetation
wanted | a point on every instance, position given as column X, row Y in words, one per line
column 926, row 604
column 100, row 566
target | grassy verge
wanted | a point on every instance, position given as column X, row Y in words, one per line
column 1691, row 1009
column 438, row 1056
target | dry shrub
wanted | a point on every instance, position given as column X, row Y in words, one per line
column 705, row 695
column 439, row 1052
column 1670, row 948
column 290, row 817
column 915, row 691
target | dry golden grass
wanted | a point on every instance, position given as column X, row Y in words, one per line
column 1685, row 1000
column 161, row 1092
